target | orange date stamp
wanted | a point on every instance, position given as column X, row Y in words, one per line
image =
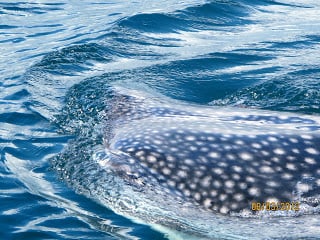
column 275, row 206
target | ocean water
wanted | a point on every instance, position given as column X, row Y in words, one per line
column 59, row 58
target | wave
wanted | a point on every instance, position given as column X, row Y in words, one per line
column 198, row 54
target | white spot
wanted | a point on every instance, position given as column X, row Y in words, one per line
column 204, row 149
column 171, row 183
column 310, row 160
column 173, row 142
column 213, row 193
column 293, row 140
column 166, row 171
column 216, row 184
column 184, row 167
column 162, row 163
column 243, row 185
column 207, row 203
column 291, row 166
column 296, row 150
column 279, row 151
column 214, row 145
column 211, row 138
column 246, row 156
column 222, row 164
column 272, row 139
column 266, row 169
column 174, row 149
column 144, row 165
column 239, row 142
column 153, row 171
column 182, row 174
column 306, row 175
column 181, row 186
column 217, row 171
column 224, row 176
column 227, row 147
column 170, row 158
column 224, row 210
column 234, row 206
column 131, row 149
column 151, row 159
column 278, row 169
column 223, row 197
column 256, row 145
column 237, row 169
column 231, row 156
column 306, row 137
column 197, row 196
column 229, row 184
column 291, row 158
column 236, row 176
column 238, row 197
column 206, row 181
column 311, row 151
column 190, row 138
column 139, row 153
column 265, row 153
column 256, row 164
column 187, row 193
column 193, row 186
column 251, row 170
column 272, row 183
column 189, row 162
column 158, row 142
column 286, row 176
column 272, row 199
column 204, row 194
column 307, row 142
column 214, row 155
column 203, row 168
column 203, row 159
column 193, row 148
column 254, row 191
column 250, row 179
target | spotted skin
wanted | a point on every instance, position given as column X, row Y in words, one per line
column 222, row 173
column 223, row 163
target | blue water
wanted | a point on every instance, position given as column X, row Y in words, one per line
column 57, row 59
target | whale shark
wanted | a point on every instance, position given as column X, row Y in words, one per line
column 165, row 161
column 220, row 159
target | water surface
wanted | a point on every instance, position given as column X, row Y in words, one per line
column 248, row 54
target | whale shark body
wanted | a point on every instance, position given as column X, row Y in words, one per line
column 220, row 159
column 164, row 161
